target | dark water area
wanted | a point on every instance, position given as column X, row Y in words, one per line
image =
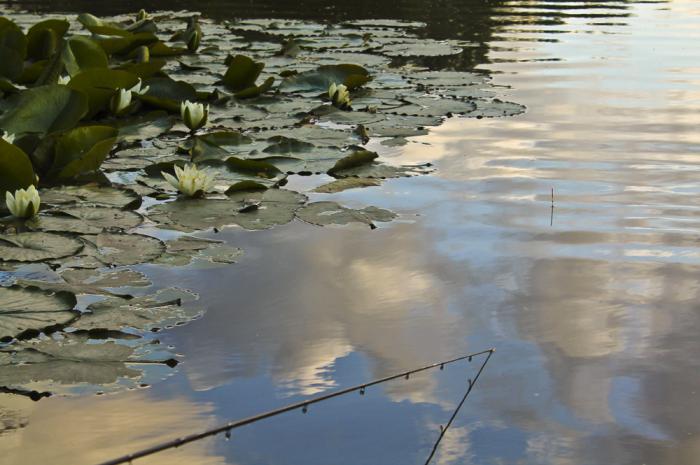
column 592, row 304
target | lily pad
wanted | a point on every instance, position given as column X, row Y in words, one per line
column 85, row 220
column 320, row 79
column 345, row 184
column 73, row 363
column 83, row 278
column 185, row 249
column 163, row 309
column 37, row 246
column 26, row 310
column 276, row 207
column 16, row 170
column 91, row 195
column 44, row 109
column 118, row 249
column 326, row 213
column 82, row 150
column 143, row 127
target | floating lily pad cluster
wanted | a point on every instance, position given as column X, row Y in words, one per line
column 269, row 115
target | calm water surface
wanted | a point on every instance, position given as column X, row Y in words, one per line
column 592, row 305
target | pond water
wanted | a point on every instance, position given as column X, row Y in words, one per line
column 592, row 304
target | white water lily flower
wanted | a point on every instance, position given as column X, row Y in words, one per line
column 24, row 203
column 9, row 138
column 120, row 101
column 339, row 95
column 138, row 90
column 63, row 80
column 190, row 180
column 194, row 115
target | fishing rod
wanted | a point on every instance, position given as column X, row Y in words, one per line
column 304, row 405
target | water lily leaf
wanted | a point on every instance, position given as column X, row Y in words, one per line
column 84, row 278
column 44, row 109
column 167, row 94
column 353, row 76
column 43, row 37
column 242, row 73
column 99, row 84
column 82, row 150
column 246, row 186
column 37, row 246
column 75, row 363
column 144, row 70
column 287, row 145
column 16, row 170
column 255, row 91
column 276, row 207
column 143, row 127
column 423, row 47
column 11, row 63
column 163, row 309
column 91, row 195
column 118, row 249
column 495, row 108
column 85, row 220
column 125, row 44
column 160, row 49
column 326, row 213
column 340, row 185
column 82, row 53
column 382, row 171
column 254, row 167
column 11, row 36
column 31, row 309
column 215, row 145
column 357, row 158
column 185, row 249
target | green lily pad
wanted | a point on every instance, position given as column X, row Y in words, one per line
column 74, row 363
column 352, row 76
column 91, row 195
column 143, row 127
column 242, row 73
column 118, row 249
column 16, row 170
column 37, row 246
column 85, row 220
column 82, row 53
column 43, row 38
column 276, row 207
column 83, row 278
column 186, row 249
column 423, row 47
column 345, row 184
column 357, row 158
column 82, row 150
column 382, row 171
column 25, row 310
column 217, row 145
column 168, row 94
column 99, row 84
column 326, row 213
column 44, row 109
column 164, row 309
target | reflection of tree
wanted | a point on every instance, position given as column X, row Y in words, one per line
column 475, row 21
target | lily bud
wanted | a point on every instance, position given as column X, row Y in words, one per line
column 194, row 115
column 24, row 203
column 63, row 80
column 143, row 54
column 142, row 15
column 339, row 95
column 190, row 180
column 194, row 38
column 120, row 101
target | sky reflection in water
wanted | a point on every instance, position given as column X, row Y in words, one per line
column 595, row 317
